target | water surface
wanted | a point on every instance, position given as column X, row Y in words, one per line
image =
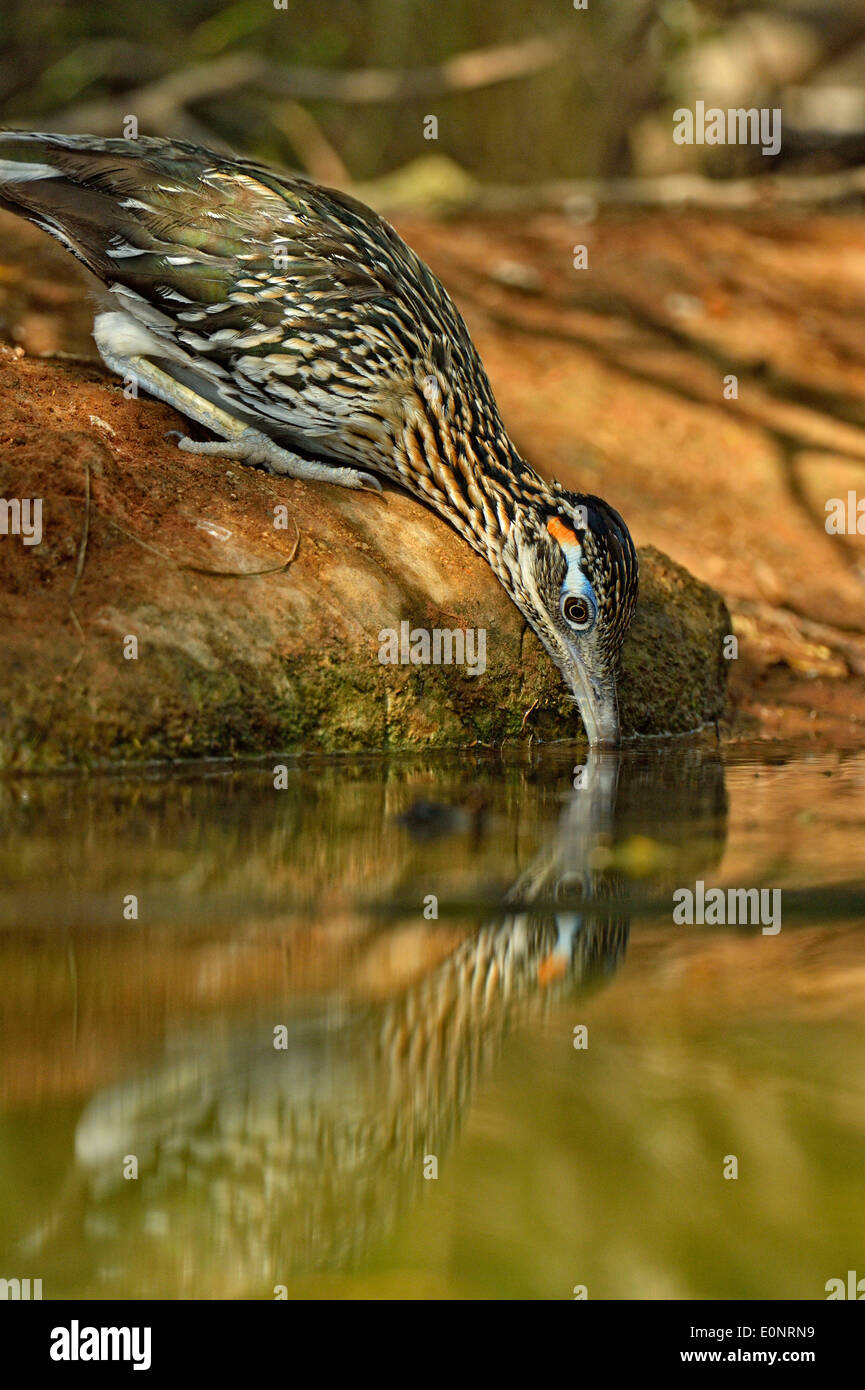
column 330, row 1024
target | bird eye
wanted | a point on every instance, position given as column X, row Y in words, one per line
column 577, row 611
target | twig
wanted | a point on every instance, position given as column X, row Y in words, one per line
column 170, row 560
column 85, row 531
column 79, row 570
column 847, row 642
column 202, row 569
column 319, row 158
column 157, row 103
column 678, row 191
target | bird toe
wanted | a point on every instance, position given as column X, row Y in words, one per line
column 368, row 482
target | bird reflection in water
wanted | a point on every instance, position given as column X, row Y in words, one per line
column 257, row 1164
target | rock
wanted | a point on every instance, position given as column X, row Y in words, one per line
column 287, row 660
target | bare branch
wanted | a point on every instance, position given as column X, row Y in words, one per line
column 677, row 191
column 157, row 103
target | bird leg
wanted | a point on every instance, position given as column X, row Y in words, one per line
column 239, row 441
column 252, row 447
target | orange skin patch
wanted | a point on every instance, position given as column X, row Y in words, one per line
column 560, row 532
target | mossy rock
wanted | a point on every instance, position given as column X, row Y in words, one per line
column 286, row 660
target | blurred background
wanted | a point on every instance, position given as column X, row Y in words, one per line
column 523, row 91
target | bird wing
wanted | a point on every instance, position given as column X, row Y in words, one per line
column 302, row 305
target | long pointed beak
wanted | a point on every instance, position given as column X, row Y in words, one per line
column 596, row 698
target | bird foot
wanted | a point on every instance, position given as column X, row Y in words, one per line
column 253, row 447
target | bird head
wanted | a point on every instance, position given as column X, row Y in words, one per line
column 571, row 568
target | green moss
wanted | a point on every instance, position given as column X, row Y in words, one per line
column 171, row 706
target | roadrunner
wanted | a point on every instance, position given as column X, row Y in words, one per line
column 294, row 323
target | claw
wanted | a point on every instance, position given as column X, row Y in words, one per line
column 370, row 483
column 173, row 434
